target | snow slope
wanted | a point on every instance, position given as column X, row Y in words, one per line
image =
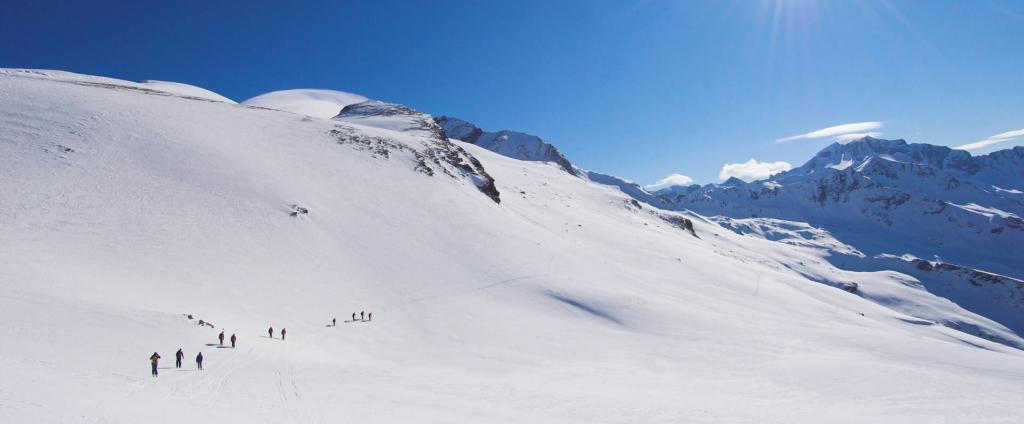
column 890, row 199
column 185, row 90
column 324, row 104
column 996, row 297
column 565, row 302
column 155, row 87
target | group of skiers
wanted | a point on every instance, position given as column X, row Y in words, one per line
column 270, row 332
column 178, row 356
column 221, row 338
column 181, row 355
column 363, row 316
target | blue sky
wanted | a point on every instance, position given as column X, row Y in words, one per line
column 639, row 89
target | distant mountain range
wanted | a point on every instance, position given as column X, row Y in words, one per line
column 890, row 197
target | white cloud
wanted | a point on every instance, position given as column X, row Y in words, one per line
column 838, row 130
column 669, row 181
column 996, row 139
column 1009, row 134
column 857, row 136
column 753, row 170
column 978, row 144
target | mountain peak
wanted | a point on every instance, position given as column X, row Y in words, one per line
column 459, row 129
column 866, row 145
column 509, row 143
column 732, row 182
column 840, row 156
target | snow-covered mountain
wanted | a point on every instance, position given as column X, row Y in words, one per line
column 508, row 143
column 127, row 215
column 532, row 148
column 310, row 102
column 432, row 148
column 892, row 197
column 933, row 207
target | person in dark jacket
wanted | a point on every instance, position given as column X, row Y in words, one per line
column 283, row 331
column 233, row 340
column 334, row 322
column 178, row 357
column 199, row 361
column 362, row 315
column 270, row 332
column 369, row 316
column 221, row 337
column 153, row 360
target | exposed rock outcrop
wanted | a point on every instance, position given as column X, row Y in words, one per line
column 507, row 143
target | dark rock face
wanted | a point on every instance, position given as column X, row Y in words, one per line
column 848, row 286
column 459, row 129
column 507, row 143
column 297, row 210
column 680, row 222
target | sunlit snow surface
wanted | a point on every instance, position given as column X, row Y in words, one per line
column 122, row 210
column 322, row 104
column 151, row 86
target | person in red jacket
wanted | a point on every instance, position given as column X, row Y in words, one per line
column 282, row 333
column 233, row 340
column 270, row 332
column 221, row 337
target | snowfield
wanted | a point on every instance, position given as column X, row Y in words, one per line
column 123, row 210
column 324, row 104
column 149, row 86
